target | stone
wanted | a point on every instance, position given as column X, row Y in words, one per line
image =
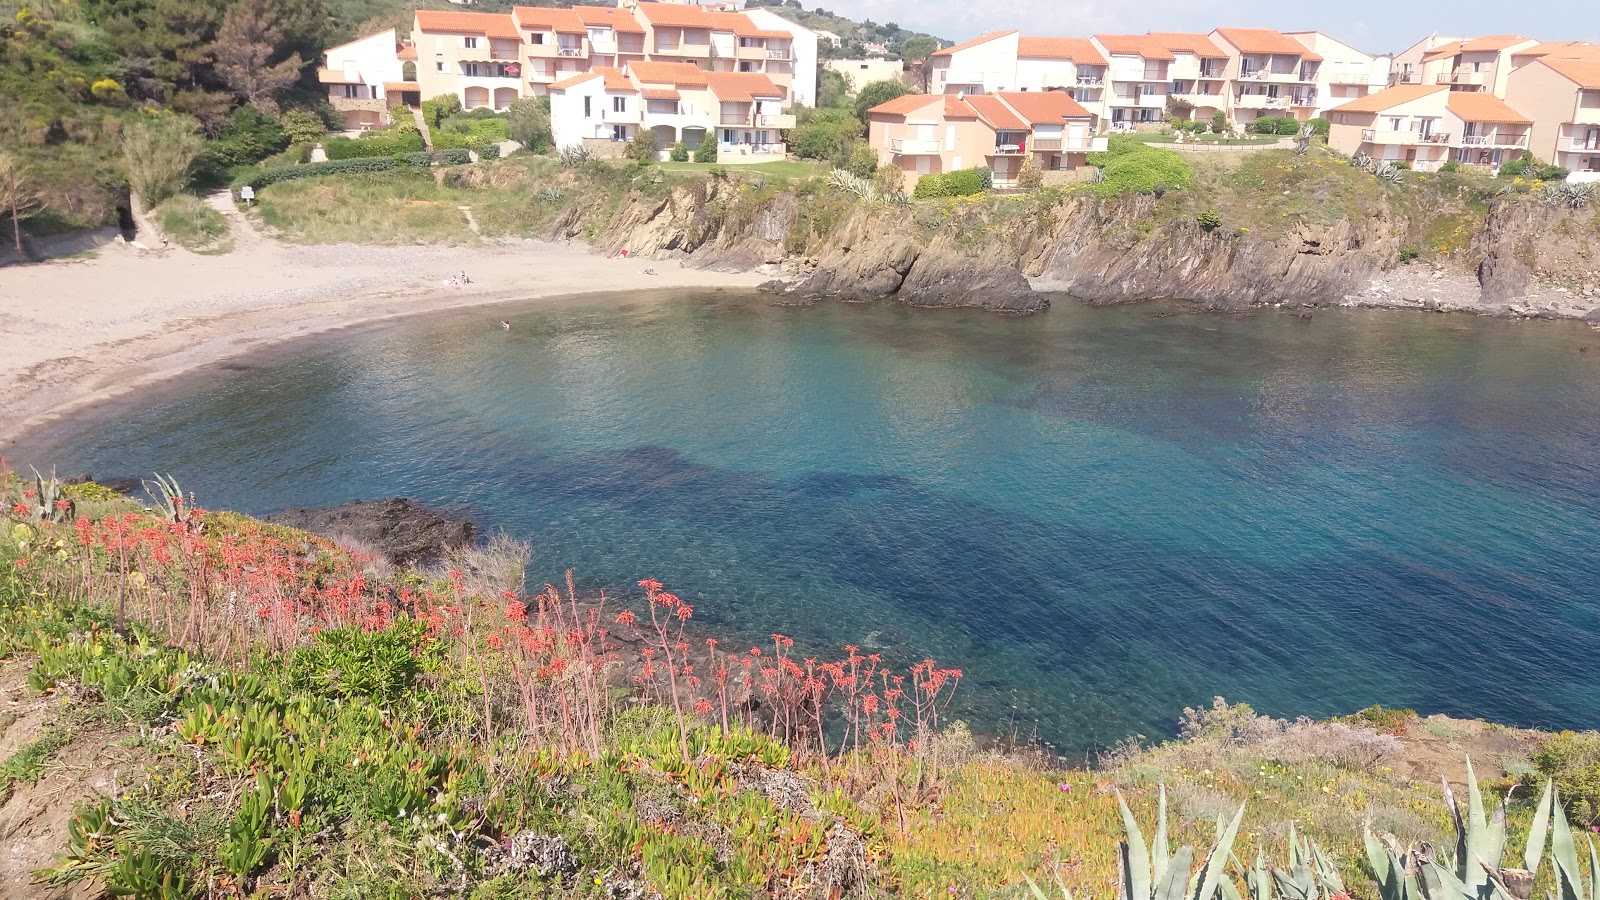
column 399, row 529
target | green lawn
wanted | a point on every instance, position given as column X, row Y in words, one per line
column 789, row 168
column 1154, row 138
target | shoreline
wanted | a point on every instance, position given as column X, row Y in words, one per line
column 78, row 333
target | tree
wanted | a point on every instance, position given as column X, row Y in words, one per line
column 16, row 196
column 159, row 151
column 643, row 146
column 707, row 151
column 876, row 93
column 832, row 89
column 247, row 43
column 916, row 51
column 824, row 133
column 528, row 123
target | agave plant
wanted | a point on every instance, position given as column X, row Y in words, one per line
column 855, row 184
column 551, row 194
column 1164, row 875
column 1361, row 160
column 1311, row 875
column 168, row 499
column 1387, row 171
column 49, row 503
column 1575, row 195
column 1565, row 853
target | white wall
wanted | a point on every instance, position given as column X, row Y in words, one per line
column 372, row 59
column 991, row 65
column 568, row 125
column 859, row 73
column 804, row 52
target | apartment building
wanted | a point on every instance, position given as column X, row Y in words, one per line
column 1269, row 74
column 1407, row 66
column 922, row 134
column 984, row 65
column 676, row 101
column 1562, row 96
column 1136, row 80
column 1478, row 64
column 365, row 76
column 1074, row 65
column 858, row 73
column 1197, row 72
column 491, row 59
column 1345, row 73
column 1427, row 125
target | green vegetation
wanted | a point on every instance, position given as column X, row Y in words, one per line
column 960, row 183
column 853, row 35
column 28, row 763
column 528, row 123
column 192, row 223
column 1130, row 167
column 1279, row 125
column 1571, row 759
column 876, row 94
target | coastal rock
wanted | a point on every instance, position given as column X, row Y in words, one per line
column 864, row 265
column 944, row 277
column 403, row 532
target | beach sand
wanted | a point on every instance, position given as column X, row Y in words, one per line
column 75, row 332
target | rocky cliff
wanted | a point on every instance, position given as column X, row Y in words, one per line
column 1525, row 256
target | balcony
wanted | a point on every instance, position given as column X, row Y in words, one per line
column 626, row 117
column 569, row 51
column 1015, row 149
column 358, row 104
column 914, row 147
column 1254, row 75
column 1090, row 80
column 1404, row 138
column 1461, row 78
column 1212, row 73
column 1580, row 144
column 1494, row 140
column 1260, row 101
column 734, row 119
column 1197, row 99
column 605, row 47
column 775, row 120
column 1404, row 78
column 1350, row 78
column 777, row 53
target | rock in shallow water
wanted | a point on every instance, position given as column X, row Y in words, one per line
column 405, row 533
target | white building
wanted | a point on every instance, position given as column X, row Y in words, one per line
column 858, row 73
column 366, row 75
column 803, row 48
column 1346, row 73
column 987, row 64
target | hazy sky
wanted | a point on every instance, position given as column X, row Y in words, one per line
column 1374, row 27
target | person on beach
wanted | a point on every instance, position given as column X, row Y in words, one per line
column 504, row 324
column 464, row 278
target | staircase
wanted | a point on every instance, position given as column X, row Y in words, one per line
column 422, row 126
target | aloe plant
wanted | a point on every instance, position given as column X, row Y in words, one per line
column 1165, row 875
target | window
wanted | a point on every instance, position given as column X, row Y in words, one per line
column 439, row 66
column 619, row 104
column 587, row 107
column 536, row 38
column 1343, row 119
column 619, row 132
column 471, row 43
column 1149, row 90
column 469, row 69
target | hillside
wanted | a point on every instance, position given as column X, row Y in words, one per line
column 204, row 705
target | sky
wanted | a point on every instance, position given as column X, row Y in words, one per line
column 1373, row 27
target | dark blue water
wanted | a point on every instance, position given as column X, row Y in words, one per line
column 1101, row 515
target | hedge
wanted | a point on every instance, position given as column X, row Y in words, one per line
column 487, row 151
column 959, row 183
column 341, row 148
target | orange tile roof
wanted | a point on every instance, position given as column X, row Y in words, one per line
column 577, row 79
column 681, row 74
column 1080, row 50
column 905, row 105
column 993, row 110
column 1137, row 44
column 661, row 94
column 616, row 79
column 1198, row 44
column 740, row 87
column 1044, row 107
column 1559, row 48
column 1482, row 106
column 1265, row 40
column 561, row 21
column 1585, row 73
column 1390, row 97
column 957, row 108
column 329, row 76
column 980, row 39
column 406, row 50
column 1492, row 43
column 495, row 25
column 401, row 87
column 620, row 20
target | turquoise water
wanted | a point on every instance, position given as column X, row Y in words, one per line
column 1101, row 515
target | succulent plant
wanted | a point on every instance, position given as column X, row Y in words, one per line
column 1361, row 160
column 49, row 503
column 168, row 499
column 1575, row 195
column 1388, row 171
column 1565, row 853
column 1165, row 875
column 855, row 184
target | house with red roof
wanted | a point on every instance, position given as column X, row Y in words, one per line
column 1270, row 74
column 1428, row 125
column 1561, row 93
column 922, row 134
column 365, row 76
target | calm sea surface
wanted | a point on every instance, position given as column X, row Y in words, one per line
column 1102, row 515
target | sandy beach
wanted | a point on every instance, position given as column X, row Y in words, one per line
column 74, row 332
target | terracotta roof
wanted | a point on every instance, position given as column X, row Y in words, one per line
column 1265, row 40
column 406, row 50
column 1482, row 106
column 620, row 20
column 495, row 25
column 1137, row 44
column 740, row 87
column 330, row 76
column 980, row 39
column 561, row 21
column 401, row 87
column 681, row 74
column 1390, row 97
column 905, row 105
column 1198, row 44
column 577, row 79
column 661, row 94
column 958, row 108
column 1585, row 73
column 1044, row 107
column 1564, row 48
column 616, row 79
column 1080, row 50
column 1492, row 43
column 999, row 116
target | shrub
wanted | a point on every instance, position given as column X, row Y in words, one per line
column 191, row 222
column 876, row 93
column 487, row 151
column 456, row 156
column 159, row 151
column 249, row 137
column 264, row 177
column 1410, row 252
column 1219, row 123
column 421, row 159
column 374, row 144
column 1402, row 165
column 1384, row 719
column 931, row 186
column 1553, row 173
column 985, row 177
column 1264, row 125
column 1288, row 125
column 863, row 161
column 1209, row 220
column 1451, row 166
column 823, row 133
column 1572, row 760
column 888, row 181
column 528, row 123
column 707, row 151
column 440, row 108
column 1129, row 167
column 375, row 665
column 1319, row 126
column 303, row 127
column 680, row 152
column 1030, row 179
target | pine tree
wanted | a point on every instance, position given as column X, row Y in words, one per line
column 247, row 43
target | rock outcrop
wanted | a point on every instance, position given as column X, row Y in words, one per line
column 400, row 530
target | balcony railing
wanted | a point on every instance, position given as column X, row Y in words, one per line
column 915, row 147
column 1212, row 73
column 775, row 120
column 1494, row 140
column 570, row 51
column 777, row 53
column 1579, row 143
column 1256, row 75
column 1460, row 78
column 1383, row 136
column 734, row 119
column 1404, row 78
column 1014, row 149
column 1349, row 78
column 606, row 47
column 1090, row 80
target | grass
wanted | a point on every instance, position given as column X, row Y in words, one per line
column 788, row 168
column 1209, row 138
column 27, row 764
column 193, row 224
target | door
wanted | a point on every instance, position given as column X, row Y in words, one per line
column 1591, row 141
column 924, row 165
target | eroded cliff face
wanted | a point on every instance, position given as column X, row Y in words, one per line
column 1110, row 251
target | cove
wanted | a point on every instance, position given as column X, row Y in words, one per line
column 1100, row 514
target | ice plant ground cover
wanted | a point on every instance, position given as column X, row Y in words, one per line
column 317, row 725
